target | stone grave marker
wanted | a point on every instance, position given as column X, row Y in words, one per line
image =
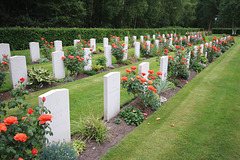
column 143, row 68
column 188, row 59
column 108, row 55
column 105, row 42
column 58, row 45
column 148, row 45
column 125, row 54
column 34, row 51
column 111, row 95
column 137, row 49
column 163, row 67
column 57, row 101
column 126, row 41
column 93, row 44
column 4, row 50
column 75, row 42
column 88, row 59
column 134, row 40
column 18, row 70
column 142, row 38
column 58, row 64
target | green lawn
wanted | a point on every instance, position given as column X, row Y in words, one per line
column 205, row 114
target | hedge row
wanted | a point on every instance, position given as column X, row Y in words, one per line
column 223, row 30
column 19, row 38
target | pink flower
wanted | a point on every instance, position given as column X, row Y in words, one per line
column 145, row 114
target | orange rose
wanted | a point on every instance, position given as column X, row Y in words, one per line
column 20, row 137
column 44, row 118
column 124, row 78
column 3, row 127
column 159, row 73
column 10, row 120
column 150, row 82
column 128, row 70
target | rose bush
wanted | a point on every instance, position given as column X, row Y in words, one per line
column 4, row 66
column 22, row 134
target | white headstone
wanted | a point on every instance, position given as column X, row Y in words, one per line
column 163, row 36
column 202, row 47
column 163, row 67
column 171, row 35
column 34, row 51
column 18, row 70
column 125, row 54
column 142, row 38
column 105, row 42
column 75, row 42
column 170, row 41
column 137, row 49
column 93, row 44
column 189, row 38
column 58, row 64
column 143, row 68
column 154, row 37
column 58, row 45
column 157, row 43
column 195, row 50
column 210, row 43
column 148, row 36
column 148, row 46
column 111, row 95
column 88, row 59
column 126, row 41
column 4, row 50
column 57, row 101
column 134, row 40
column 188, row 59
column 108, row 55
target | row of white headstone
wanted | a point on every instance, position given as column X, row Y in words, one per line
column 57, row 101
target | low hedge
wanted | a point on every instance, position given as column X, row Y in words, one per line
column 223, row 30
column 19, row 38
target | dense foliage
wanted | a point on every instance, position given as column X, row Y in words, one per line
column 120, row 13
column 19, row 38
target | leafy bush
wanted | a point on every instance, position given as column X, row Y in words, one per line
column 101, row 61
column 24, row 132
column 92, row 128
column 97, row 68
column 74, row 61
column 127, row 62
column 132, row 116
column 78, row 146
column 90, row 73
column 59, row 151
column 100, row 49
column 198, row 67
column 118, row 49
column 42, row 60
column 145, row 89
column 3, row 69
column 117, row 121
column 45, row 48
column 38, row 77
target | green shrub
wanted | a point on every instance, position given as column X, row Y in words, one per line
column 59, row 151
column 3, row 69
column 92, row 128
column 74, row 61
column 42, row 60
column 100, row 49
column 127, row 62
column 132, row 116
column 78, row 146
column 19, row 38
column 101, row 61
column 46, row 48
column 97, row 68
column 117, row 121
column 38, row 77
column 90, row 73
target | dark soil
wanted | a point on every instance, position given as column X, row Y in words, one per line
column 95, row 151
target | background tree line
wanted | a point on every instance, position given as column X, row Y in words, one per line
column 120, row 13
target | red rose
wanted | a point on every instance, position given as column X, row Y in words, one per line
column 30, row 111
column 22, row 79
column 34, row 151
column 133, row 68
column 43, row 99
